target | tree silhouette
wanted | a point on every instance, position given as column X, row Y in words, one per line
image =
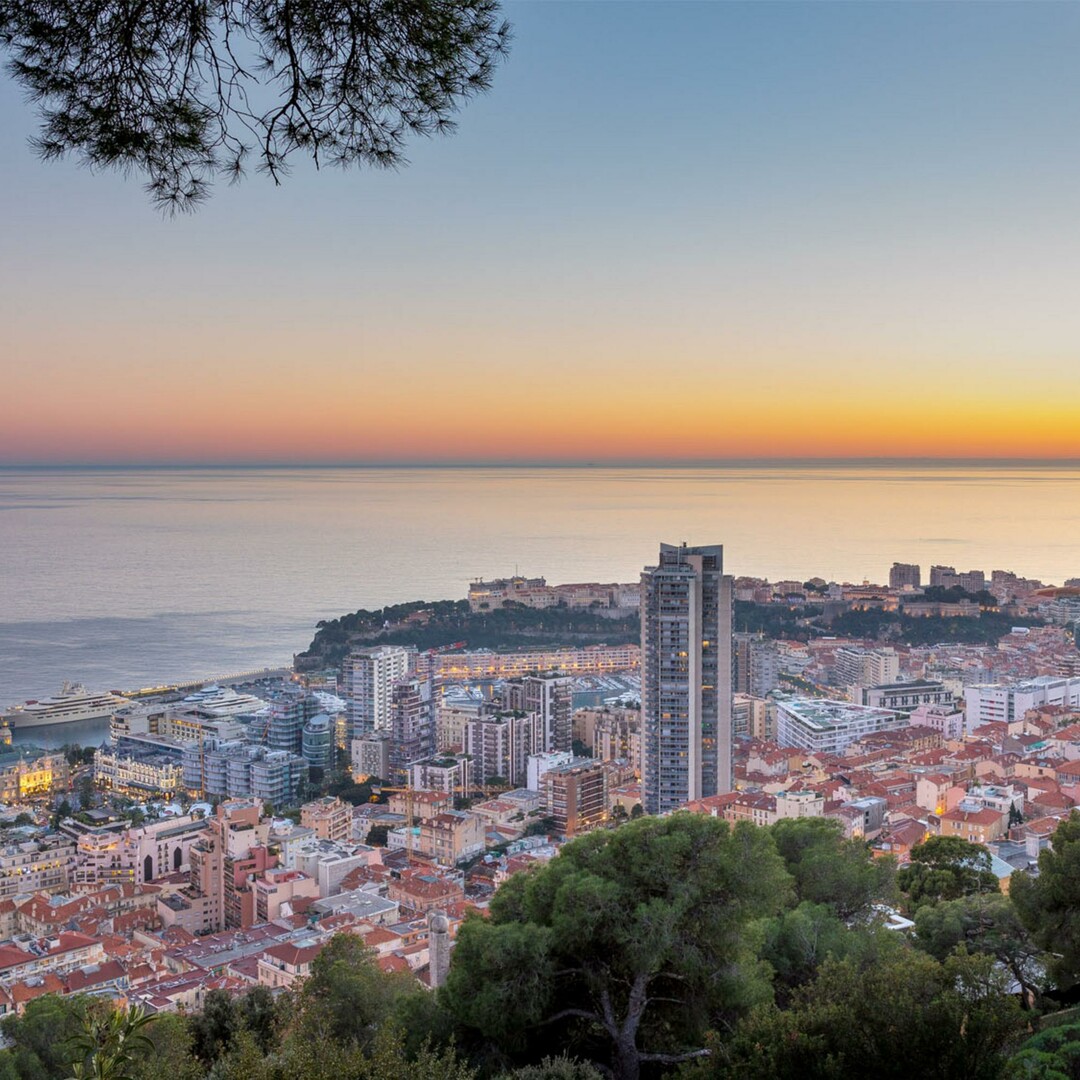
column 184, row 92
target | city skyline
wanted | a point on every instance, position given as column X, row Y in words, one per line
column 683, row 233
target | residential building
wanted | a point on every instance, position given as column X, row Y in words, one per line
column 317, row 742
column 686, row 612
column 412, row 726
column 819, row 725
column 617, row 737
column 370, row 676
column 539, row 764
column 757, row 665
column 328, row 862
column 973, row 821
column 859, row 667
column 500, row 743
column 549, row 696
column 328, row 818
column 1007, row 702
column 450, row 720
column 451, row 774
column 236, row 769
column 371, row 756
column 44, row 865
column 446, row 838
column 289, row 710
column 946, row 719
column 749, row 717
column 906, row 697
column 225, row 861
column 798, row 804
column 576, row 796
column 281, row 966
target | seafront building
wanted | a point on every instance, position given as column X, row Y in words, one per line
column 586, row 660
column 686, row 693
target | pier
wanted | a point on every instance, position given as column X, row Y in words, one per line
column 210, row 680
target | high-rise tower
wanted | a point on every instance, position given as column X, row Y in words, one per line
column 369, row 682
column 686, row 612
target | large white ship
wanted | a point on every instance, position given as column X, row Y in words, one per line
column 72, row 704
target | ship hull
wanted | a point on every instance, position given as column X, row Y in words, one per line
column 20, row 721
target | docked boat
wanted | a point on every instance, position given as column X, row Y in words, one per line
column 72, row 704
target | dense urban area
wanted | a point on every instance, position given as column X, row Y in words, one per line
column 700, row 826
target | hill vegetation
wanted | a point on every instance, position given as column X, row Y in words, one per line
column 434, row 624
column 678, row 946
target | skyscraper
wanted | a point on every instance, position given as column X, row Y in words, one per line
column 686, row 613
column 369, row 681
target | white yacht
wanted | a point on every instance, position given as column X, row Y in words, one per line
column 72, row 704
column 222, row 701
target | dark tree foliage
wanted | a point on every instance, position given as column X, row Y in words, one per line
column 1053, row 1054
column 986, row 923
column 624, row 949
column 830, row 870
column 1049, row 905
column 900, row 1016
column 946, row 868
column 431, row 624
column 184, row 92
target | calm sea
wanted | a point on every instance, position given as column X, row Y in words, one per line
column 123, row 578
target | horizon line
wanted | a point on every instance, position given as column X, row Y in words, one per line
column 549, row 463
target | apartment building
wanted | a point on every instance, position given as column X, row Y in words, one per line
column 686, row 638
column 576, row 796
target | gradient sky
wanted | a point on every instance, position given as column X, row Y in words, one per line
column 671, row 231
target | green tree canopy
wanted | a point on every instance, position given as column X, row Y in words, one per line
column 40, row 1041
column 347, row 997
column 184, row 93
column 900, row 1016
column 829, row 869
column 1049, row 905
column 628, row 946
column 946, row 868
column 986, row 923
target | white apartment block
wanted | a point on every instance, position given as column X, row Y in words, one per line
column 369, row 681
column 1007, row 702
column 818, row 725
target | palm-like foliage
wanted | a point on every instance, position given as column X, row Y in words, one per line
column 110, row 1043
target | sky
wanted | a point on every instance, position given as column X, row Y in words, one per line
column 671, row 231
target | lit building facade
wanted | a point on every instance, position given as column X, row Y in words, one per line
column 370, row 676
column 686, row 680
